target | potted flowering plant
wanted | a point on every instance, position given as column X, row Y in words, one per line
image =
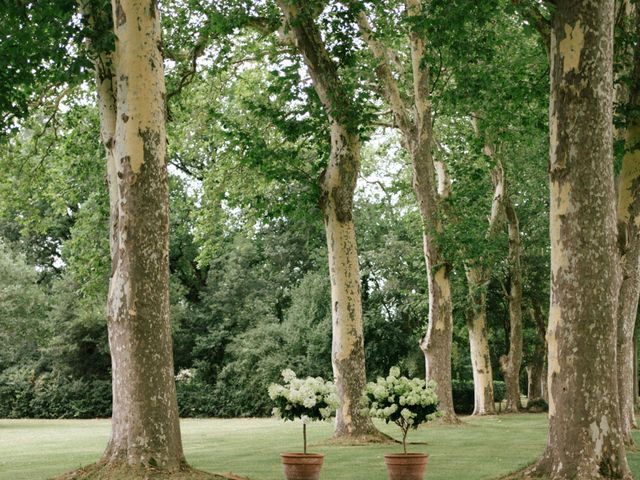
column 307, row 399
column 407, row 403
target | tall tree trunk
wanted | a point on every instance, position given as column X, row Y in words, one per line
column 510, row 364
column 535, row 370
column 436, row 344
column 534, row 379
column 585, row 438
column 145, row 431
column 415, row 124
column 478, row 277
column 629, row 249
column 145, row 424
column 479, row 343
column 635, row 366
column 338, row 186
column 545, row 381
column 627, row 311
column 347, row 350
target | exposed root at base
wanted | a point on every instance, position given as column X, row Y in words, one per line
column 527, row 473
column 447, row 419
column 110, row 471
column 539, row 471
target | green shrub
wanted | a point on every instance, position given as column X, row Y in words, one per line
column 463, row 395
column 195, row 398
column 52, row 395
column 537, row 405
column 60, row 397
column 499, row 390
column 16, row 392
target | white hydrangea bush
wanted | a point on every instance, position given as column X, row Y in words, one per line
column 310, row 398
column 406, row 402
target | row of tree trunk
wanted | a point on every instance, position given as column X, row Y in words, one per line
column 587, row 333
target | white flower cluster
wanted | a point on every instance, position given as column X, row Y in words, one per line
column 185, row 374
column 310, row 398
column 389, row 395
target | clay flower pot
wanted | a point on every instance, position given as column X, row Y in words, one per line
column 406, row 466
column 302, row 466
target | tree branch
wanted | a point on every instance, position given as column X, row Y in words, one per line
column 385, row 76
column 420, row 71
column 534, row 16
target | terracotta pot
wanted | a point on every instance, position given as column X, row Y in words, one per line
column 406, row 466
column 301, row 466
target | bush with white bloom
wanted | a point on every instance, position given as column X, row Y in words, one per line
column 406, row 402
column 308, row 399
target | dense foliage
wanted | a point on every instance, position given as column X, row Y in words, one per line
column 250, row 293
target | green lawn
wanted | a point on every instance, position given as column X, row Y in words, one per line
column 481, row 449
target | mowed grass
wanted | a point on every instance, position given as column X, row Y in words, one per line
column 483, row 448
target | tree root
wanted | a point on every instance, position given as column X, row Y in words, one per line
column 122, row 471
column 448, row 419
column 527, row 473
column 539, row 470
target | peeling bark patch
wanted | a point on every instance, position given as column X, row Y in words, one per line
column 121, row 18
column 555, row 321
column 553, row 135
column 571, row 47
column 561, row 207
column 598, row 433
column 445, row 293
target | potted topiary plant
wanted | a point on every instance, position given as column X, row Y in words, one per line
column 308, row 399
column 408, row 403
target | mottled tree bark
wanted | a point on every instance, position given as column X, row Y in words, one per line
column 534, row 380
column 145, row 426
column 627, row 311
column 545, row 381
column 338, row 186
column 510, row 364
column 629, row 247
column 478, row 277
column 130, row 89
column 535, row 369
column 348, row 337
column 436, row 344
column 635, row 366
column 585, row 438
column 414, row 121
column 479, row 343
